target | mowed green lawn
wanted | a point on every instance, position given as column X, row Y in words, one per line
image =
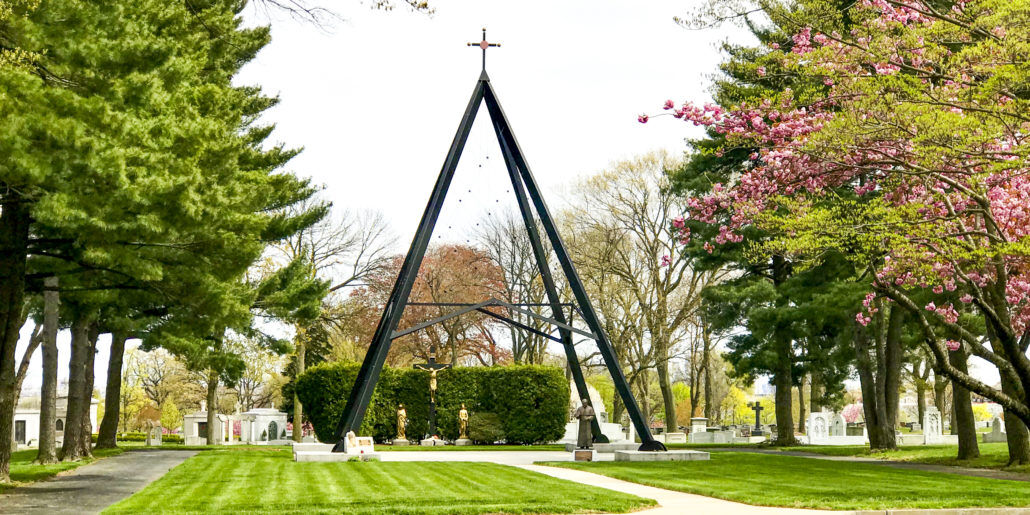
column 271, row 482
column 772, row 480
column 23, row 471
column 992, row 455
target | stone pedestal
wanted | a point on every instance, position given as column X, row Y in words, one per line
column 584, row 454
column 400, row 442
column 660, row 456
column 334, row 456
column 463, row 441
column 607, row 447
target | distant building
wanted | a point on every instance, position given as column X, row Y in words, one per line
column 26, row 422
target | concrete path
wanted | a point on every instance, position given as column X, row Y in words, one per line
column 669, row 502
column 91, row 488
column 925, row 467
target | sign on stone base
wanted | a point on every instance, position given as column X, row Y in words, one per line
column 584, row 454
column 463, row 441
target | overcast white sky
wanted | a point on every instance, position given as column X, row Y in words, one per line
column 376, row 98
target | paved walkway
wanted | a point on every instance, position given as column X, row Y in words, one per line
column 670, row 502
column 91, row 488
column 925, row 467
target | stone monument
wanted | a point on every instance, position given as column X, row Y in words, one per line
column 838, row 426
column 154, row 436
column 997, row 434
column 932, row 426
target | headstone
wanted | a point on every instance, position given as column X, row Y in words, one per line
column 357, row 445
column 675, row 438
column 932, row 426
column 818, row 427
column 154, row 436
column 916, row 426
column 433, row 441
column 698, row 424
column 838, row 426
column 308, row 439
column 997, row 434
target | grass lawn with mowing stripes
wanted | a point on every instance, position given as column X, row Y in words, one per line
column 271, row 482
column 992, row 455
column 771, row 480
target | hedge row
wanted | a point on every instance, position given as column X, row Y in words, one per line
column 142, row 437
column 531, row 401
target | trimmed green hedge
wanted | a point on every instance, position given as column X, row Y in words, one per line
column 531, row 401
column 142, row 437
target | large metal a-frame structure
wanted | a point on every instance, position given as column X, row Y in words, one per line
column 532, row 207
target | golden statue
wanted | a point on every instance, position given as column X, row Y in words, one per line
column 432, row 386
column 463, row 422
column 402, row 421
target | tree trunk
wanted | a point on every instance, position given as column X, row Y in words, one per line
column 14, row 242
column 1015, row 430
column 940, row 388
column 801, row 405
column 784, row 408
column 782, row 379
column 212, row 407
column 963, row 422
column 71, row 449
column 107, row 436
column 815, row 394
column 667, row 398
column 920, row 401
column 23, row 366
column 706, row 362
column 298, row 409
column 48, row 399
column 89, row 370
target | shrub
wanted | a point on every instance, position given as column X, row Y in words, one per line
column 530, row 401
column 485, row 428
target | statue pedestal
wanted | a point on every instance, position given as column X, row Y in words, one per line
column 463, row 441
column 401, row 441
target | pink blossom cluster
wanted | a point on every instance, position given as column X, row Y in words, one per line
column 947, row 189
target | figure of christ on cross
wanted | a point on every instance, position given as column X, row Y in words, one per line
column 484, row 45
column 432, row 367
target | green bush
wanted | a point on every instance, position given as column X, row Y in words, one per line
column 485, row 428
column 530, row 401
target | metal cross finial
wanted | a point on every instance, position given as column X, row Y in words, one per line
column 484, row 45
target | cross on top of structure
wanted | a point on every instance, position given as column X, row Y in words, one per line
column 431, row 363
column 484, row 45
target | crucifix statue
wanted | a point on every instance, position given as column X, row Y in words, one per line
column 757, row 406
column 484, row 45
column 433, row 367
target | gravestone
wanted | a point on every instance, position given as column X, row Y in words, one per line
column 357, row 445
column 838, row 426
column 997, row 434
column 818, row 428
column 584, row 454
column 698, row 425
column 154, row 436
column 932, row 426
column 916, row 426
column 676, row 437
